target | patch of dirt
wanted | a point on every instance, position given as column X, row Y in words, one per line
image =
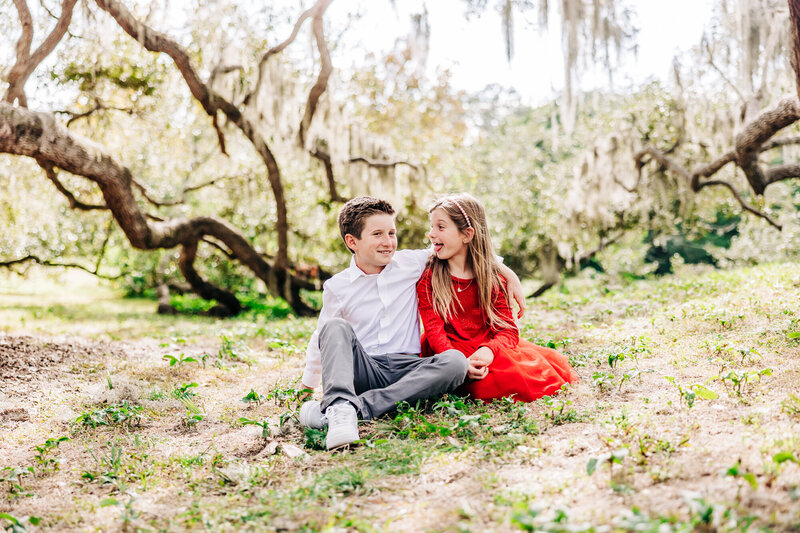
column 23, row 358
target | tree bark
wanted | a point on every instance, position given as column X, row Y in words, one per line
column 794, row 53
column 40, row 136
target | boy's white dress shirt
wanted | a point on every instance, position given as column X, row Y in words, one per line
column 381, row 308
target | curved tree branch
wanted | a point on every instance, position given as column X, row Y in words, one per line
column 722, row 74
column 782, row 172
column 39, row 136
column 276, row 50
column 325, row 158
column 777, row 143
column 46, row 262
column 74, row 203
column 420, row 169
column 26, row 62
column 186, row 190
column 750, row 140
column 229, row 305
column 98, row 106
column 325, row 70
column 213, row 102
column 708, row 170
column 741, row 201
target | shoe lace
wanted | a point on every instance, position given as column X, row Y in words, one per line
column 339, row 414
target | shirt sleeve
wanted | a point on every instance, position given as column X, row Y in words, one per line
column 331, row 308
column 431, row 321
column 419, row 258
column 507, row 337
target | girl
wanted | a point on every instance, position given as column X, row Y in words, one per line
column 464, row 305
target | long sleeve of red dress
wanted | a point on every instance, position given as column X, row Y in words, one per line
column 435, row 336
column 468, row 329
column 504, row 338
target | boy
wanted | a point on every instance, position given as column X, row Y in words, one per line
column 367, row 343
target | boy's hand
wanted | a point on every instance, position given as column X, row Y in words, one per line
column 479, row 363
column 514, row 288
column 305, row 393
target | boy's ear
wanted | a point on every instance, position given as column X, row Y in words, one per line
column 469, row 234
column 350, row 240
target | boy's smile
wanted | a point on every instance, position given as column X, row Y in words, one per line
column 375, row 247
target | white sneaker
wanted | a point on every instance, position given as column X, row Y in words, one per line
column 342, row 425
column 311, row 416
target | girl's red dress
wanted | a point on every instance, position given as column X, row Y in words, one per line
column 520, row 369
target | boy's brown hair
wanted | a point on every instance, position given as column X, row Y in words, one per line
column 355, row 212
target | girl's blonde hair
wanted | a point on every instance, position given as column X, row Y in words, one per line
column 466, row 212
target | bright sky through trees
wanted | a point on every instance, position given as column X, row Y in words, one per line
column 474, row 49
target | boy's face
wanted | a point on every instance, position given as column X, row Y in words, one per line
column 375, row 247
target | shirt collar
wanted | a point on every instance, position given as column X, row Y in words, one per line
column 354, row 272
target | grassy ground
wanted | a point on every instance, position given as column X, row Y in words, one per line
column 687, row 418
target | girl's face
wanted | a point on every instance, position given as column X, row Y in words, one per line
column 448, row 241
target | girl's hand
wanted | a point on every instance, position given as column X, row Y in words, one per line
column 479, row 363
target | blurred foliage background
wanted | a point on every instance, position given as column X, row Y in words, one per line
column 556, row 190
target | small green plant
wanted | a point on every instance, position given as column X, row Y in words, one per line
column 559, row 409
column 17, row 525
column 791, row 406
column 122, row 413
column 603, row 380
column 13, row 476
column 116, row 466
column 44, row 452
column 633, row 374
column 518, row 416
column 738, row 472
column 193, row 413
column 184, row 390
column 315, row 438
column 287, row 395
column 226, row 352
column 252, row 397
column 411, row 423
column 739, row 382
column 179, row 360
column 264, row 424
column 692, row 392
column 610, row 458
column 109, row 467
column 129, row 514
column 615, row 358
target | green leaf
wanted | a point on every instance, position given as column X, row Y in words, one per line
column 108, row 501
column 705, row 393
column 794, row 335
column 34, row 520
column 751, row 479
column 591, row 466
column 782, row 457
column 12, row 519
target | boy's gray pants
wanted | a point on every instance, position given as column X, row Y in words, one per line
column 374, row 384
